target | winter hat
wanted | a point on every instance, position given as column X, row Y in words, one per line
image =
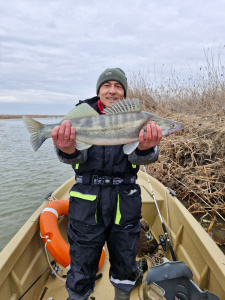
column 115, row 74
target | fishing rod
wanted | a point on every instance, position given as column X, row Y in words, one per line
column 52, row 263
column 160, row 216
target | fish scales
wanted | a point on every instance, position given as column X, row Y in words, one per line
column 106, row 129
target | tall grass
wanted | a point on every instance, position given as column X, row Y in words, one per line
column 203, row 91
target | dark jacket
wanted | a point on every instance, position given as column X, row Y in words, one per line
column 107, row 160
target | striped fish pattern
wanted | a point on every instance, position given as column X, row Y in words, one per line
column 120, row 125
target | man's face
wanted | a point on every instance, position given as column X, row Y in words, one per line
column 110, row 92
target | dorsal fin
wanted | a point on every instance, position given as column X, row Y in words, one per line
column 81, row 111
column 124, row 106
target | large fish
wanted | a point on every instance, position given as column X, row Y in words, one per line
column 120, row 125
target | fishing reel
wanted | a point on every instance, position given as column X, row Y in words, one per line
column 162, row 242
column 55, row 270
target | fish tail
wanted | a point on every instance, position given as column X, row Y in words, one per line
column 35, row 128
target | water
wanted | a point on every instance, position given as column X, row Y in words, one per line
column 26, row 177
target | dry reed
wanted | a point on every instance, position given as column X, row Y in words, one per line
column 191, row 162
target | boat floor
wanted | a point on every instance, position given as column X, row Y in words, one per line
column 103, row 288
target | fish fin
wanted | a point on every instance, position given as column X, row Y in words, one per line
column 35, row 128
column 124, row 106
column 82, row 146
column 81, row 111
column 129, row 148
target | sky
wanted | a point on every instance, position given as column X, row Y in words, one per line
column 52, row 52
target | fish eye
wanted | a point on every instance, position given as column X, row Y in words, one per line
column 172, row 125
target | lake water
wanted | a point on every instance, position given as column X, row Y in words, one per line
column 26, row 177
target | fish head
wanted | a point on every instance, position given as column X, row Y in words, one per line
column 167, row 126
column 171, row 127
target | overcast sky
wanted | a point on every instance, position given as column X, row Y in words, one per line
column 52, row 51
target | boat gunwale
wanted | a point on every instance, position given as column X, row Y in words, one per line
column 19, row 243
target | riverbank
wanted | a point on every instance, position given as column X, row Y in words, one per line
column 192, row 161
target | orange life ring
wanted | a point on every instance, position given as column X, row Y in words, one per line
column 55, row 243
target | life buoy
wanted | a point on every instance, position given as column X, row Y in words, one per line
column 55, row 243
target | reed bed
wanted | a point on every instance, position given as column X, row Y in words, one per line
column 192, row 161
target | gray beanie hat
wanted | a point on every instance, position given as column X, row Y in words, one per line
column 115, row 74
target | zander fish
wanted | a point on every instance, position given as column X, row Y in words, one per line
column 120, row 125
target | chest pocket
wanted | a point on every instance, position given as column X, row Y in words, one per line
column 83, row 204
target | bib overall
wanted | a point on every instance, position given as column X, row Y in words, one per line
column 105, row 206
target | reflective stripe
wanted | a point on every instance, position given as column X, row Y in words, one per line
column 83, row 196
column 118, row 213
column 51, row 210
column 117, row 281
column 76, row 166
column 134, row 166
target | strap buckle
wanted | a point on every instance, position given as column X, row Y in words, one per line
column 107, row 180
column 94, row 179
column 102, row 180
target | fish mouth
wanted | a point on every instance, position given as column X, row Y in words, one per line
column 176, row 129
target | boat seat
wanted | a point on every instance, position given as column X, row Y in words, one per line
column 175, row 279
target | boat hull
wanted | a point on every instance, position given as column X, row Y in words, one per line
column 24, row 258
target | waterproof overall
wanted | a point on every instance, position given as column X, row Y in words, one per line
column 105, row 206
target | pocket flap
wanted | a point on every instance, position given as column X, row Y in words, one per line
column 83, row 196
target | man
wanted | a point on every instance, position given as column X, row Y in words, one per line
column 105, row 202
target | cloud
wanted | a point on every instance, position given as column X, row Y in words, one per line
column 35, row 96
column 58, row 49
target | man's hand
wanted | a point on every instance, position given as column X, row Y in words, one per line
column 152, row 138
column 63, row 137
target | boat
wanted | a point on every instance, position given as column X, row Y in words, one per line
column 25, row 271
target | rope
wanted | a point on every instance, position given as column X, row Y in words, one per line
column 46, row 252
column 51, row 265
column 51, row 198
